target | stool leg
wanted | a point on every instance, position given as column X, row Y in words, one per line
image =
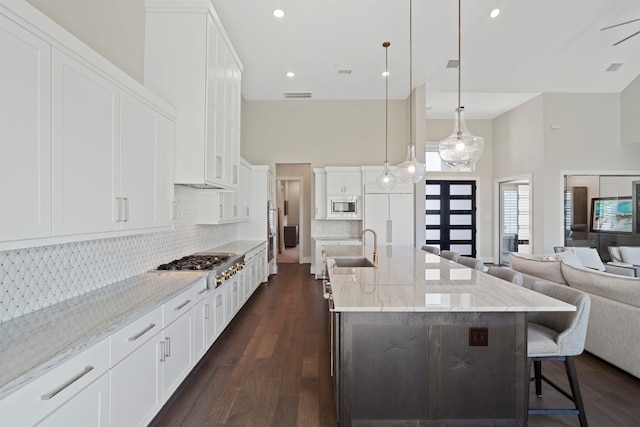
column 570, row 367
column 537, row 370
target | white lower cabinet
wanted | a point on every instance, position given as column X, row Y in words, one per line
column 136, row 385
column 64, row 385
column 90, row 407
column 175, row 358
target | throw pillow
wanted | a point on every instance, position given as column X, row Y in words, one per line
column 570, row 257
column 630, row 254
column 590, row 258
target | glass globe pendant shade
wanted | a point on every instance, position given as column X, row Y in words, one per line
column 386, row 181
column 461, row 150
column 411, row 171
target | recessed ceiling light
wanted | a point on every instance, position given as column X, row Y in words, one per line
column 384, row 73
column 495, row 12
column 291, row 74
column 278, row 13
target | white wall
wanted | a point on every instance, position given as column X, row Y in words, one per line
column 115, row 29
column 630, row 111
column 323, row 133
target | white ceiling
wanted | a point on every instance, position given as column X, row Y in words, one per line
column 532, row 47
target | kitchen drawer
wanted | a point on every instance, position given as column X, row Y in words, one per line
column 183, row 302
column 130, row 337
column 48, row 392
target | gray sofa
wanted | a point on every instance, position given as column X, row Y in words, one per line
column 614, row 323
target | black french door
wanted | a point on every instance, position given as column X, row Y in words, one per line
column 450, row 215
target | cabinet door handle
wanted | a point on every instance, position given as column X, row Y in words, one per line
column 75, row 378
column 167, row 349
column 218, row 300
column 389, row 230
column 142, row 332
column 181, row 305
column 126, row 209
column 162, row 350
column 206, row 311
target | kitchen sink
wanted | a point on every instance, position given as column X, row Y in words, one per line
column 351, row 261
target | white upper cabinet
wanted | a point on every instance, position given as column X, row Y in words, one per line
column 347, row 181
column 86, row 149
column 146, row 146
column 320, row 193
column 190, row 62
column 25, row 134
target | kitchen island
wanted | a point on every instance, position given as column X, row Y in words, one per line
column 421, row 340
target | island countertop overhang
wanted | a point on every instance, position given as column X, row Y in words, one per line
column 410, row 280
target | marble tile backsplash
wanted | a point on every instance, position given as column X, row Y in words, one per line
column 336, row 229
column 34, row 278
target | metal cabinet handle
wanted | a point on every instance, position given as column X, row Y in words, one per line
column 202, row 291
column 181, row 305
column 218, row 300
column 142, row 332
column 162, row 350
column 167, row 349
column 126, row 209
column 389, row 230
column 206, row 311
column 52, row 394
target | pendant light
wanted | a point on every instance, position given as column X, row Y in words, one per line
column 411, row 171
column 386, row 181
column 460, row 150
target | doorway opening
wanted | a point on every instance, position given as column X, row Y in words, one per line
column 514, row 217
column 288, row 197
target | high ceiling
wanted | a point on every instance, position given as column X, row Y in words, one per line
column 532, row 47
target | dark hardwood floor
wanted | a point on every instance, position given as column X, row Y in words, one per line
column 271, row 368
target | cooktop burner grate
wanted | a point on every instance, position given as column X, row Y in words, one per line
column 195, row 262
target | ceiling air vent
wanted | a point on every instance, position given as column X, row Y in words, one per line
column 615, row 66
column 344, row 72
column 453, row 63
column 297, row 95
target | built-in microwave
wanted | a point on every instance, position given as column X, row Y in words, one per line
column 341, row 207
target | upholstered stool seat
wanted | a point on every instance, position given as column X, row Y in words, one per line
column 558, row 336
column 507, row 274
column 432, row 249
column 453, row 256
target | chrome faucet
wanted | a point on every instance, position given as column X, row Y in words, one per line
column 375, row 244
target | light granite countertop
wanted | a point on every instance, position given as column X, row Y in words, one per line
column 237, row 246
column 34, row 343
column 409, row 279
column 37, row 342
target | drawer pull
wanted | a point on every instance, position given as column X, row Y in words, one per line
column 142, row 332
column 202, row 291
column 52, row 394
column 182, row 305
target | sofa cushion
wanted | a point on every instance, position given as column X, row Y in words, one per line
column 619, row 288
column 630, row 254
column 590, row 258
column 546, row 268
